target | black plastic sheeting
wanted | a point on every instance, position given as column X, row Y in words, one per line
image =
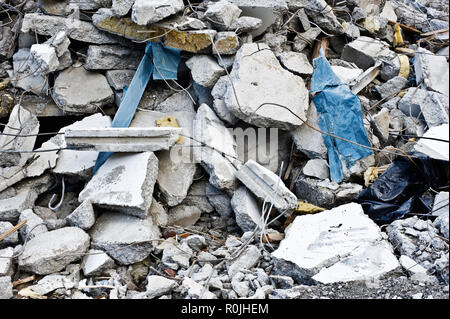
column 398, row 191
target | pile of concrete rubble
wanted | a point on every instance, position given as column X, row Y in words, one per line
column 220, row 220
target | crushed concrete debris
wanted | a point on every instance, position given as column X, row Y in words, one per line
column 218, row 186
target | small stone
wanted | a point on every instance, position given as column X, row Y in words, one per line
column 6, row 262
column 246, row 209
column 34, row 226
column 247, row 260
column 317, row 168
column 6, row 288
column 226, row 43
column 184, row 215
column 205, row 70
column 83, row 216
column 158, row 286
column 96, row 262
column 118, row 79
column 392, row 87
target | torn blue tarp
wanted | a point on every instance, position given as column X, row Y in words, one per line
column 340, row 115
column 159, row 61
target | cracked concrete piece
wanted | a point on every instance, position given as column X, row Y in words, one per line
column 273, row 85
column 96, row 91
column 96, row 262
column 147, row 12
column 27, row 74
column 34, row 226
column 112, row 57
column 122, row 7
column 246, row 24
column 322, row 14
column 83, row 216
column 246, row 209
column 205, row 70
column 222, row 14
column 337, row 245
column 126, row 239
column 317, row 168
column 158, row 286
column 210, row 130
column 118, row 79
column 219, row 105
column 52, row 251
column 433, row 70
column 267, row 186
column 296, row 63
column 124, row 183
column 247, row 260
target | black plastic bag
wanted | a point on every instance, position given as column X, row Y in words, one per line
column 398, row 191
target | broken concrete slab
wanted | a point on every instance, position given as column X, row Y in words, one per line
column 80, row 30
column 96, row 262
column 96, row 91
column 210, row 130
column 219, row 105
column 26, row 74
column 433, row 106
column 246, row 24
column 219, row 200
column 433, row 148
column 12, row 206
column 226, row 43
column 267, row 186
column 246, row 210
column 148, row 12
column 222, row 14
column 112, row 57
column 247, row 94
column 346, row 75
column 158, row 286
column 197, row 197
column 121, row 7
column 365, row 52
column 317, row 168
column 83, row 216
column 126, row 239
column 392, row 87
column 122, row 140
column 205, row 70
column 322, row 14
column 433, row 70
column 362, row 255
column 52, row 251
column 124, row 183
column 6, row 261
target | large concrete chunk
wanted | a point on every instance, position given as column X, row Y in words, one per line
column 222, row 14
column 27, row 75
column 365, row 52
column 341, row 244
column 80, row 30
column 112, row 57
column 52, row 251
column 432, row 70
column 433, row 106
column 267, row 186
column 246, row 210
column 126, row 239
column 96, row 91
column 83, row 216
column 148, row 12
column 205, row 70
column 296, row 63
column 96, row 262
column 123, row 139
column 258, row 78
column 124, row 183
column 176, row 170
column 209, row 129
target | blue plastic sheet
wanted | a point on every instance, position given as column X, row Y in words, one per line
column 165, row 61
column 340, row 115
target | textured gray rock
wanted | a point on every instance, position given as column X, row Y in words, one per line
column 246, row 209
column 392, row 87
column 126, row 239
column 96, row 262
column 328, row 254
column 247, row 260
column 304, row 39
column 246, row 24
column 205, row 70
column 184, row 215
column 322, row 14
column 148, row 12
column 96, row 91
column 52, row 251
column 83, row 216
column 273, row 85
column 124, row 183
column 6, row 261
column 112, row 57
column 267, row 186
column 433, row 70
column 10, row 240
column 118, row 79
column 219, row 106
column 121, row 7
column 219, row 200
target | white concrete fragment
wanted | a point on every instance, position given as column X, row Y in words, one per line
column 83, row 216
column 205, row 70
column 126, row 239
column 296, row 63
column 341, row 244
column 34, row 226
column 267, row 186
column 433, row 70
column 433, row 148
column 184, row 215
column 96, row 262
column 124, row 183
column 410, row 266
column 6, row 261
column 146, row 12
column 317, row 168
column 273, row 84
column 346, row 75
column 222, row 14
column 52, row 251
column 158, row 286
column 48, row 284
column 246, row 209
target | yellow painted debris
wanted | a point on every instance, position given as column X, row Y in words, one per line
column 307, row 208
column 398, row 38
column 169, row 121
column 372, row 174
column 4, row 83
column 404, row 66
column 372, row 25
